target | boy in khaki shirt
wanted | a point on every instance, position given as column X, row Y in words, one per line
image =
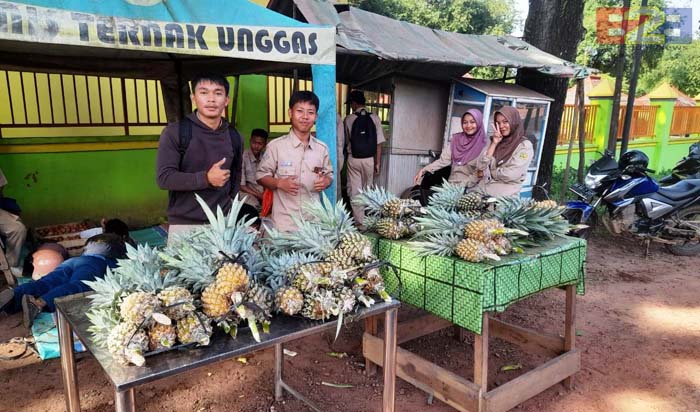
column 296, row 166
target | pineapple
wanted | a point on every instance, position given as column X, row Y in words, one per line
column 471, row 201
column 545, row 204
column 161, row 336
column 437, row 221
column 447, row 196
column 289, row 300
column 138, row 308
column 373, row 283
column 392, row 208
column 356, row 246
column 473, row 250
column 194, row 328
column 373, row 200
column 436, row 244
column 391, row 228
column 483, row 230
column 176, row 301
column 535, row 224
column 231, row 278
column 320, row 305
column 127, row 344
column 341, row 258
column 345, row 298
column 501, row 245
column 263, row 298
column 214, row 303
column 308, row 278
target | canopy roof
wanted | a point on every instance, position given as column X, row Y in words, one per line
column 371, row 46
column 139, row 37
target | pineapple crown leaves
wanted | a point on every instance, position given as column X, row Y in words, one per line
column 316, row 237
column 275, row 272
column 373, row 199
column 143, row 268
column 102, row 322
column 194, row 265
column 226, row 232
column 109, row 289
column 440, row 221
column 436, row 244
column 447, row 195
column 539, row 222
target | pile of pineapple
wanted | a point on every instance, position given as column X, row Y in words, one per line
column 139, row 307
column 476, row 227
column 324, row 268
column 386, row 214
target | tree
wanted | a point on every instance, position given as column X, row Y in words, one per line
column 554, row 26
column 678, row 66
column 461, row 16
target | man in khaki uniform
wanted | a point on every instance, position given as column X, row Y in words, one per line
column 296, row 166
column 251, row 159
column 361, row 171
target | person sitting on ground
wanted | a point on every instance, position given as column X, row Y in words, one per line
column 502, row 166
column 101, row 252
column 461, row 149
column 14, row 233
column 250, row 189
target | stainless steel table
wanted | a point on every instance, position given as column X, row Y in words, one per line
column 71, row 319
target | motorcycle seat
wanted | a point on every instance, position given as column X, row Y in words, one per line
column 681, row 190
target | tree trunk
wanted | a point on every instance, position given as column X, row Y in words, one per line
column 554, row 26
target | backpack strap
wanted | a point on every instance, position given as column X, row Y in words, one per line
column 185, row 137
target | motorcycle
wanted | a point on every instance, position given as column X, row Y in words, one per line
column 686, row 168
column 635, row 204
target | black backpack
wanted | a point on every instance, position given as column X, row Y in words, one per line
column 363, row 136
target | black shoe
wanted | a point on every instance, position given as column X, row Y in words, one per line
column 6, row 297
column 29, row 311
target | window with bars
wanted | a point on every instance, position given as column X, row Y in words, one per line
column 59, row 105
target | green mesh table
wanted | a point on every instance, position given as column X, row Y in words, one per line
column 461, row 291
column 455, row 292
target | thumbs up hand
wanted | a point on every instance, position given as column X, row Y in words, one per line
column 216, row 176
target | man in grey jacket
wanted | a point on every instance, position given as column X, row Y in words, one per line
column 201, row 154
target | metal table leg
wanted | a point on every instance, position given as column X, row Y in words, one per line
column 124, row 401
column 279, row 366
column 68, row 369
column 389, row 360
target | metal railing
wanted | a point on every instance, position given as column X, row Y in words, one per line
column 643, row 122
column 567, row 124
column 49, row 100
column 686, row 121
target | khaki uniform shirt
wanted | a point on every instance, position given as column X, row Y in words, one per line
column 505, row 179
column 350, row 119
column 248, row 171
column 288, row 156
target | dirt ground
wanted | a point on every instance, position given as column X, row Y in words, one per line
column 638, row 327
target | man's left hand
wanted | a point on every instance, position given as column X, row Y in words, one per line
column 322, row 183
column 377, row 167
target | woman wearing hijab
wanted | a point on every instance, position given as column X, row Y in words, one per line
column 465, row 146
column 502, row 166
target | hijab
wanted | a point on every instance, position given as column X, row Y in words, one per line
column 466, row 147
column 504, row 150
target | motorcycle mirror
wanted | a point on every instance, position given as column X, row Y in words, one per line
column 652, row 171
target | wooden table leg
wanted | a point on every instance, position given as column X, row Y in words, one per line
column 389, row 360
column 279, row 367
column 570, row 327
column 68, row 369
column 371, row 327
column 124, row 401
column 481, row 360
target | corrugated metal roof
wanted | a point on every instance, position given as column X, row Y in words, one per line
column 494, row 88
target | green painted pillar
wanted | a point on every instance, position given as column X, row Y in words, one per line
column 252, row 110
column 602, row 96
column 664, row 97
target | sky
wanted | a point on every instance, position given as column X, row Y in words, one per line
column 522, row 5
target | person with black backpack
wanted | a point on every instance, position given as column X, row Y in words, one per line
column 364, row 147
column 201, row 154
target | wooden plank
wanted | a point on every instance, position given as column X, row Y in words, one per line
column 570, row 327
column 371, row 327
column 524, row 387
column 531, row 341
column 421, row 326
column 481, row 360
column 426, row 376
